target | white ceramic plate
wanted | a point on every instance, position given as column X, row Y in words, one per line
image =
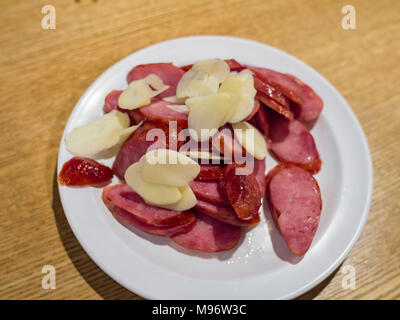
column 261, row 267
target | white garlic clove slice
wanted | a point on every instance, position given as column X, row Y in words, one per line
column 251, row 139
column 159, row 194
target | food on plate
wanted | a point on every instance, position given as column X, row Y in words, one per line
column 209, row 235
column 161, row 111
column 100, row 134
column 295, row 201
column 242, row 190
column 291, row 142
column 203, row 78
column 227, row 144
column 251, row 139
column 131, row 222
column 225, row 213
column 111, row 101
column 307, row 104
column 161, row 177
column 191, row 145
column 210, row 172
column 122, row 196
column 157, row 135
column 167, row 72
column 80, row 171
column 209, row 191
column 140, row 92
column 285, row 111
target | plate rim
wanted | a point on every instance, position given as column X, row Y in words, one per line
column 354, row 120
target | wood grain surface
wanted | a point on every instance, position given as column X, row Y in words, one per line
column 44, row 72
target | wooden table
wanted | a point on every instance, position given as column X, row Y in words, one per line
column 44, row 72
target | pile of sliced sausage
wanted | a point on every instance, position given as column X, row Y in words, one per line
column 226, row 202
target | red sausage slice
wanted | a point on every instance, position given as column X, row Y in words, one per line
column 129, row 221
column 159, row 112
column 291, row 142
column 167, row 72
column 259, row 173
column 262, row 121
column 187, row 67
column 122, row 196
column 312, row 104
column 295, row 202
column 271, row 92
column 137, row 145
column 243, row 191
column 111, row 101
column 209, row 172
column 275, row 106
column 309, row 104
column 287, row 85
column 208, row 191
column 234, row 65
column 209, row 235
column 225, row 214
column 80, row 171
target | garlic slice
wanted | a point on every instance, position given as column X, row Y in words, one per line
column 251, row 139
column 156, row 83
column 188, row 200
column 140, row 92
column 159, row 194
column 196, row 83
column 175, row 99
column 99, row 135
column 181, row 108
column 161, row 178
column 136, row 95
column 168, row 167
column 125, row 134
column 208, row 113
column 217, row 68
column 203, row 78
column 241, row 86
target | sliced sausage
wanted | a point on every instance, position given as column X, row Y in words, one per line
column 275, row 106
column 209, row 191
column 138, row 144
column 259, row 173
column 167, row 72
column 271, row 92
column 294, row 199
column 129, row 221
column 111, row 101
column 291, row 142
column 159, row 112
column 280, row 81
column 308, row 104
column 224, row 213
column 82, row 171
column 209, row 172
column 262, row 121
column 122, row 196
column 234, row 65
column 242, row 190
column 209, row 235
column 312, row 104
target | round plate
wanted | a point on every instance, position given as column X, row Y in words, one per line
column 261, row 266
